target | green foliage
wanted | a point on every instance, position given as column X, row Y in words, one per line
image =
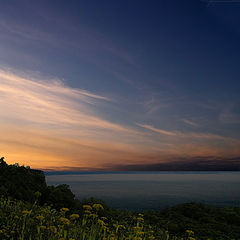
column 60, row 196
column 207, row 222
column 20, row 182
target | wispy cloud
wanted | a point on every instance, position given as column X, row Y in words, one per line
column 197, row 135
column 50, row 102
column 189, row 122
column 164, row 132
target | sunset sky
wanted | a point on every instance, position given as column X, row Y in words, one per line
column 120, row 85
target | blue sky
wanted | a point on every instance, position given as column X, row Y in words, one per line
column 155, row 81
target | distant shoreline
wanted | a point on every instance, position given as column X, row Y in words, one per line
column 135, row 172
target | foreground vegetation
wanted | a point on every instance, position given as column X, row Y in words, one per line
column 29, row 209
column 24, row 221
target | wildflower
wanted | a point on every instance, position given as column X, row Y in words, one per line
column 189, row 232
column 43, row 227
column 40, row 217
column 53, row 229
column 37, row 194
column 98, row 206
column 74, row 216
column 46, row 211
column 140, row 219
column 122, row 226
column 25, row 212
column 101, row 222
column 103, row 218
column 64, row 210
column 191, row 238
column 93, row 215
column 65, row 220
column 87, row 212
column 87, row 207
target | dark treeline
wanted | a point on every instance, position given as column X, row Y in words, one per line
column 206, row 221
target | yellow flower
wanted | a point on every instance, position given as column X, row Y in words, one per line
column 25, row 212
column 122, row 226
column 87, row 207
column 65, row 220
column 46, row 211
column 87, row 212
column 140, row 219
column 191, row 238
column 189, row 232
column 101, row 222
column 74, row 216
column 37, row 194
column 43, row 227
column 64, row 210
column 40, row 217
column 98, row 206
column 53, row 229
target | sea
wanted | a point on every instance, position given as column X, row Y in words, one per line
column 140, row 191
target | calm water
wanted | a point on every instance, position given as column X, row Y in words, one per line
column 153, row 190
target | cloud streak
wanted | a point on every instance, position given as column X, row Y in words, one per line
column 157, row 130
column 191, row 123
column 181, row 134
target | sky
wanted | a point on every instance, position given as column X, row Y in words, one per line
column 120, row 85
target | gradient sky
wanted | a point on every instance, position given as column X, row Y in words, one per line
column 117, row 85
